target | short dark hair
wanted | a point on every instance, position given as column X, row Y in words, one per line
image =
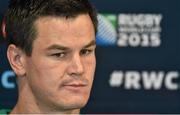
column 22, row 14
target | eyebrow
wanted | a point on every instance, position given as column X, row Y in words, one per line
column 60, row 47
column 92, row 43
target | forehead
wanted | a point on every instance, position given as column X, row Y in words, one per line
column 78, row 30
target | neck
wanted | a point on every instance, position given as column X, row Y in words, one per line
column 18, row 109
column 28, row 104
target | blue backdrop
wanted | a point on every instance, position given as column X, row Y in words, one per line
column 138, row 52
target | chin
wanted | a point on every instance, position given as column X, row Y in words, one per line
column 73, row 102
column 72, row 105
column 79, row 102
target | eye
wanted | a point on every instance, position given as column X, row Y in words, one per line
column 59, row 55
column 86, row 52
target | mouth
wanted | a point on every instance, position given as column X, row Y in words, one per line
column 75, row 87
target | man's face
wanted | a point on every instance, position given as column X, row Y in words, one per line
column 60, row 70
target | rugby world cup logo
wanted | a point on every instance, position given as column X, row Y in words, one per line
column 107, row 30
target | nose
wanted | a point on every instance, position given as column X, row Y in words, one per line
column 76, row 66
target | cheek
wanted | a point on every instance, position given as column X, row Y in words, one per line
column 44, row 75
column 90, row 66
column 44, row 82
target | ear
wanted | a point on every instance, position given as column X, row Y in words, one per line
column 16, row 59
